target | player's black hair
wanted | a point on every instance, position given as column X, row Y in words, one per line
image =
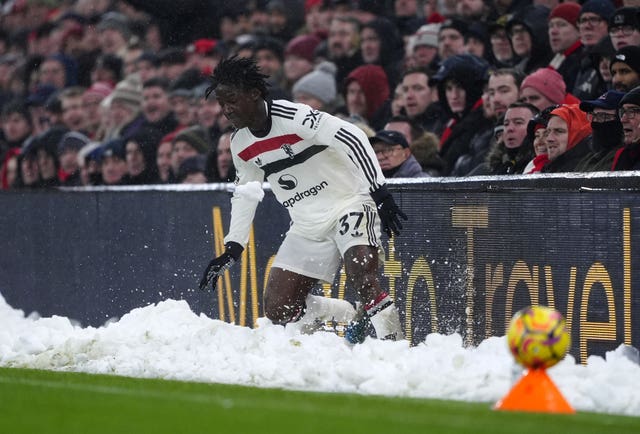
column 240, row 72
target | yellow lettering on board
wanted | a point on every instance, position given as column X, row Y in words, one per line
column 591, row 330
column 626, row 254
column 248, row 267
column 470, row 217
column 521, row 273
column 493, row 280
column 392, row 267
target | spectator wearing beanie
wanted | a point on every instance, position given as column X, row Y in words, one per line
column 366, row 92
column 423, row 47
column 190, row 142
column 317, row 88
column 593, row 21
column 91, row 103
column 124, row 106
column 451, row 36
column 299, row 57
column 269, row 55
column 625, row 68
column 545, row 87
column 624, row 27
column 68, row 148
column 564, row 39
column 593, row 27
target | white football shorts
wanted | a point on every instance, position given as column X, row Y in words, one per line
column 319, row 256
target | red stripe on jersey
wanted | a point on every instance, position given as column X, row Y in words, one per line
column 262, row 146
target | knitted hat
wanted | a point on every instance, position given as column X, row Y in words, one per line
column 319, row 83
column 456, row 24
column 72, row 140
column 128, row 90
column 630, row 55
column 113, row 148
column 101, row 89
column 548, row 82
column 427, row 35
column 203, row 46
column 631, row 97
column 303, row 46
column 115, row 21
column 191, row 165
column 626, row 16
column 568, row 12
column 577, row 123
column 197, row 137
column 604, row 8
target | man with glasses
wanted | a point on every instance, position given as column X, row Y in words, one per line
column 628, row 157
column 625, row 68
column 624, row 28
column 394, row 155
column 592, row 26
column 607, row 134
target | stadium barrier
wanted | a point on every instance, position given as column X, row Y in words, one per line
column 474, row 251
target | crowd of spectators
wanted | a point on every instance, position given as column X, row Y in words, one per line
column 112, row 92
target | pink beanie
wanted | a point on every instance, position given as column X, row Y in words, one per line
column 548, row 82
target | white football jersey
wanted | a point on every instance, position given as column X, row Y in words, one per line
column 317, row 165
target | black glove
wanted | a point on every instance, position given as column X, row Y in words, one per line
column 218, row 265
column 388, row 211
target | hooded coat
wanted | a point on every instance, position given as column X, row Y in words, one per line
column 373, row 81
column 470, row 72
column 391, row 48
column 534, row 19
column 578, row 142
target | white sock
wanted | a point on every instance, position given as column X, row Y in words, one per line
column 327, row 309
column 385, row 319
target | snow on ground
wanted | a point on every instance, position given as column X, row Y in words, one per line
column 169, row 341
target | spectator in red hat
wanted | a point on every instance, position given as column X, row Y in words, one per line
column 299, row 57
column 564, row 39
column 545, row 87
column 203, row 55
column 317, row 18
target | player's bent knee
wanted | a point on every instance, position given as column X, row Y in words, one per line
column 282, row 314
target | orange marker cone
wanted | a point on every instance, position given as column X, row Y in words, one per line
column 535, row 392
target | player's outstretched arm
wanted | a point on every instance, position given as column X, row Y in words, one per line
column 219, row 265
column 389, row 212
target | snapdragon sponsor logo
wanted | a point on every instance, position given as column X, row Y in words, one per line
column 301, row 195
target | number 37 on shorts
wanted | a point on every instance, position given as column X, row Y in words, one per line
column 360, row 224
